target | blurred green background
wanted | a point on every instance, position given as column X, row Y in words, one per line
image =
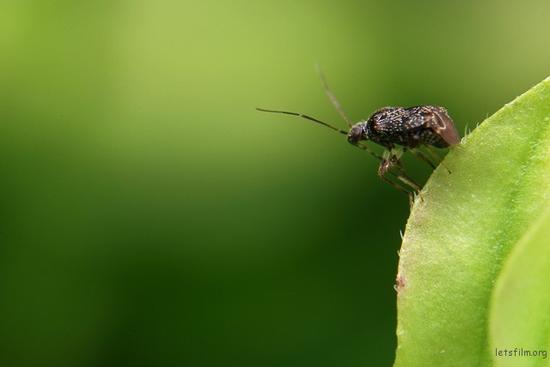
column 151, row 217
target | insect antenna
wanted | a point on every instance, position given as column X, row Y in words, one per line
column 307, row 118
column 339, row 108
column 331, row 96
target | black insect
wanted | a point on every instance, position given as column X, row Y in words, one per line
column 397, row 129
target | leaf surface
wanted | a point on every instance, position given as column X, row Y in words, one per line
column 520, row 313
column 464, row 228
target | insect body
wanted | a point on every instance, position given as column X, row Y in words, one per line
column 410, row 128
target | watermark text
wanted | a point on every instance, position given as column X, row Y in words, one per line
column 521, row 352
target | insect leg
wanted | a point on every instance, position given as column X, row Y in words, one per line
column 434, row 155
column 399, row 187
column 402, row 176
column 407, row 180
column 386, row 166
column 367, row 149
column 418, row 154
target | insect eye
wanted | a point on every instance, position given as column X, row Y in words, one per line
column 355, row 134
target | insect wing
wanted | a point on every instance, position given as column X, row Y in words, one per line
column 442, row 124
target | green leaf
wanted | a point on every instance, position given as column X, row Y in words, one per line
column 520, row 313
column 463, row 229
